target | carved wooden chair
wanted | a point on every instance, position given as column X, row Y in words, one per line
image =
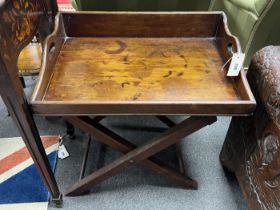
column 151, row 67
column 252, row 146
column 30, row 60
column 20, row 20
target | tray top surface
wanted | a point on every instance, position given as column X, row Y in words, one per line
column 139, row 69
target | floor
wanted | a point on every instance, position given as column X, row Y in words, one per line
column 137, row 187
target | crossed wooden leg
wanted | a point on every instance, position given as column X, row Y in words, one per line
column 165, row 120
column 133, row 154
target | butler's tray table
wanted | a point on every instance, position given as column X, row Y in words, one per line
column 122, row 63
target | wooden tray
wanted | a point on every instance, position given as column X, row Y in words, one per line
column 140, row 63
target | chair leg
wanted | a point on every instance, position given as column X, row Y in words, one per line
column 14, row 98
column 70, row 130
column 169, row 137
column 30, row 135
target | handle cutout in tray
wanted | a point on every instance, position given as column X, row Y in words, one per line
column 231, row 48
column 52, row 48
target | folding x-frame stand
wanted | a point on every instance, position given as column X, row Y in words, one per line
column 132, row 154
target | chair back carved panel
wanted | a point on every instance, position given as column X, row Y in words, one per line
column 252, row 146
column 20, row 20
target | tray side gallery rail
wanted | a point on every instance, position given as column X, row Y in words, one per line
column 20, row 21
column 141, row 24
column 121, row 24
column 210, row 25
column 228, row 44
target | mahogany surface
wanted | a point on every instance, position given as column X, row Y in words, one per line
column 103, row 63
column 139, row 69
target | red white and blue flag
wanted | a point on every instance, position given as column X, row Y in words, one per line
column 21, row 187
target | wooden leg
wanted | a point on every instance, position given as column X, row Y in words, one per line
column 166, row 139
column 170, row 124
column 165, row 120
column 98, row 118
column 180, row 158
column 14, row 98
column 26, row 125
column 84, row 163
column 115, row 141
column 70, row 130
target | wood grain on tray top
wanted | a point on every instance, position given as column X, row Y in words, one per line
column 139, row 69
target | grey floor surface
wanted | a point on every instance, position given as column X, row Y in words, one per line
column 137, row 187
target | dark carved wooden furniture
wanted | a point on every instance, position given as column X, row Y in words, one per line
column 252, row 145
column 116, row 63
column 19, row 21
